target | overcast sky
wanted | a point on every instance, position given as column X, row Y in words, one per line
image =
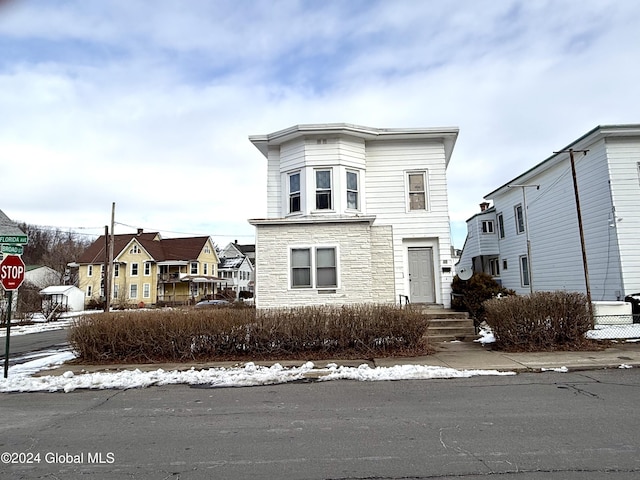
column 149, row 104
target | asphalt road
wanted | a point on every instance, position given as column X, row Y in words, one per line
column 21, row 344
column 526, row 427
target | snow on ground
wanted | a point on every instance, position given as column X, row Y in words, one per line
column 20, row 377
column 40, row 325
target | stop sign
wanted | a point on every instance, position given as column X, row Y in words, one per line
column 12, row 272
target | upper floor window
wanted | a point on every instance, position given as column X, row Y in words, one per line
column 294, row 192
column 89, row 270
column 194, row 268
column 147, row 269
column 500, row 225
column 116, row 269
column 323, row 190
column 205, row 269
column 417, row 190
column 134, row 249
column 134, row 269
column 352, row 191
column 487, row 226
column 519, row 218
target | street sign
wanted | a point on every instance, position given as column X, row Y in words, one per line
column 14, row 239
column 12, row 271
column 12, row 249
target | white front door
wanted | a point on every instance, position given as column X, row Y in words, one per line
column 421, row 276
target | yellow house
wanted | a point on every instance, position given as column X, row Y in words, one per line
column 148, row 269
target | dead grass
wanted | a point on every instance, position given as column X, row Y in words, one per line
column 184, row 335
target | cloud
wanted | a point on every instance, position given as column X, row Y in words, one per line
column 150, row 105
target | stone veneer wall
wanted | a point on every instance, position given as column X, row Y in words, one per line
column 365, row 264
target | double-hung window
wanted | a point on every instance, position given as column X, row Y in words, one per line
column 194, row 268
column 519, row 215
column 294, row 192
column 524, row 271
column 500, row 225
column 314, row 267
column 147, row 269
column 323, row 190
column 352, row 191
column 134, row 270
column 417, row 184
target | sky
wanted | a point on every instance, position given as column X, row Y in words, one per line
column 149, row 105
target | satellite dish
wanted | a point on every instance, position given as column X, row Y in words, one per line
column 465, row 273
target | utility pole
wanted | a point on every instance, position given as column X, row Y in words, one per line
column 109, row 260
column 526, row 228
column 106, row 272
column 580, row 227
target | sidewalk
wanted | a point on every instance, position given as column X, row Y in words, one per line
column 456, row 355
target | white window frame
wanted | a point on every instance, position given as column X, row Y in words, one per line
column 323, row 191
column 410, row 193
column 352, row 191
column 488, row 227
column 193, row 268
column 89, row 271
column 134, row 265
column 89, row 290
column 133, row 290
column 116, row 289
column 525, row 276
column 205, row 269
column 500, row 221
column 518, row 214
column 291, row 194
column 116, row 270
column 146, row 290
column 313, row 268
column 134, row 249
column 147, row 269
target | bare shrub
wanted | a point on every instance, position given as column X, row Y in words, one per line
column 542, row 321
column 241, row 333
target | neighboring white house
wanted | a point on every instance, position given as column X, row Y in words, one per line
column 69, row 297
column 354, row 215
column 236, row 268
column 543, row 199
column 41, row 276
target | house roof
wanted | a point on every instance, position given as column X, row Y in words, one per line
column 58, row 290
column 8, row 226
column 597, row 133
column 233, row 262
column 447, row 134
column 159, row 249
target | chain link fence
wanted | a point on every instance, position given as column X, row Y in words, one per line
column 616, row 327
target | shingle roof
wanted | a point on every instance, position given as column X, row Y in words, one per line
column 160, row 249
column 8, row 226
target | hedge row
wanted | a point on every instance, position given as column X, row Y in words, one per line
column 228, row 333
column 541, row 321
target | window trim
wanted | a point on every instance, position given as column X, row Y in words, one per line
column 525, row 281
column 313, row 267
column 194, row 268
column 89, row 270
column 116, row 269
column 350, row 190
column 490, row 230
column 134, row 264
column 520, row 227
column 424, row 174
column 146, row 290
column 294, row 194
column 500, row 222
column 132, row 287
column 147, row 269
column 323, row 191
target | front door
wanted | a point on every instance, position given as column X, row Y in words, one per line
column 421, row 277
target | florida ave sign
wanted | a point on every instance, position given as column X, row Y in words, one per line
column 12, row 272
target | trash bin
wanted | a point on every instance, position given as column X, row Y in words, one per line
column 634, row 300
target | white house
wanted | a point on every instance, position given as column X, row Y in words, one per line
column 354, row 215
column 236, row 267
column 534, row 243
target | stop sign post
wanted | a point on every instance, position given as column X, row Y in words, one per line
column 11, row 277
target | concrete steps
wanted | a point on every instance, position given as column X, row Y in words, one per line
column 448, row 325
